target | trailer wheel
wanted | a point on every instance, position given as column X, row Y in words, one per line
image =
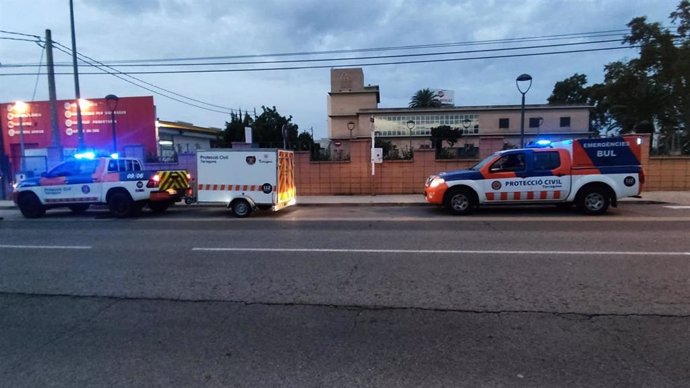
column 30, row 205
column 121, row 205
column 241, row 208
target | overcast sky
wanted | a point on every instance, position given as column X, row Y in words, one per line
column 112, row 30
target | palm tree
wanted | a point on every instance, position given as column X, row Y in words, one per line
column 425, row 98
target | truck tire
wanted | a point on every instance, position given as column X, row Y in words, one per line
column 460, row 201
column 158, row 207
column 594, row 200
column 79, row 208
column 241, row 208
column 30, row 205
column 121, row 205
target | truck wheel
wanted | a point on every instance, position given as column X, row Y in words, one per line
column 79, row 208
column 594, row 201
column 460, row 201
column 241, row 208
column 30, row 206
column 121, row 205
column 158, row 207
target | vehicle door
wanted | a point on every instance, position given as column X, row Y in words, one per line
column 504, row 178
column 71, row 182
column 549, row 175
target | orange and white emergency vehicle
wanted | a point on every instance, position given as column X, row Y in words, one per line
column 590, row 173
column 246, row 179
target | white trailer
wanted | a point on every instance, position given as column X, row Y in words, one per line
column 246, row 179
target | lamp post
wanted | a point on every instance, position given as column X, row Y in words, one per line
column 20, row 107
column 351, row 127
column 524, row 79
column 112, row 101
column 410, row 127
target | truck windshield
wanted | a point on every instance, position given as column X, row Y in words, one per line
column 483, row 163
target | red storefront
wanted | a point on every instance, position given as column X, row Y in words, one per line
column 135, row 127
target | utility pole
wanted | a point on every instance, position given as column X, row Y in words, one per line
column 80, row 126
column 54, row 127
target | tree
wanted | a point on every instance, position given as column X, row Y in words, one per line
column 234, row 130
column 425, row 98
column 444, row 133
column 304, row 141
column 645, row 94
column 570, row 91
column 268, row 129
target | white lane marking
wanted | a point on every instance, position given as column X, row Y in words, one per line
column 44, row 247
column 678, row 207
column 443, row 251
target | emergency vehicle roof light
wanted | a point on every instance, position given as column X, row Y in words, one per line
column 115, row 155
column 543, row 143
column 85, row 155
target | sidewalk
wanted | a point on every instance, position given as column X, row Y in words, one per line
column 671, row 197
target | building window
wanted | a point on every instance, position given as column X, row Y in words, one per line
column 565, row 122
column 534, row 122
column 503, row 123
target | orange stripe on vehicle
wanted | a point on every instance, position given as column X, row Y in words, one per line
column 556, row 194
column 215, row 187
column 530, row 195
column 201, row 187
column 490, row 196
column 253, row 188
column 543, row 195
column 222, row 187
column 516, row 196
column 244, row 188
column 504, row 196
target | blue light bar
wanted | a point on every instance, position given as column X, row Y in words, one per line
column 543, row 142
column 85, row 155
column 115, row 155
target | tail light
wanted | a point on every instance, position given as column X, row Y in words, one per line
column 154, row 181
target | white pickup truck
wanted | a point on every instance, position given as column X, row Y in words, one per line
column 120, row 183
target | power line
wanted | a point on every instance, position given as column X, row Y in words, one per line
column 143, row 62
column 38, row 40
column 359, row 58
column 518, row 55
column 144, row 82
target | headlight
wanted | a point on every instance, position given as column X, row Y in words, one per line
column 436, row 181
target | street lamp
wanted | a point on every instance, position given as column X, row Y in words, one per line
column 20, row 107
column 112, row 101
column 524, row 78
column 351, row 126
column 410, row 126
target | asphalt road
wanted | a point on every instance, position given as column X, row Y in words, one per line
column 347, row 296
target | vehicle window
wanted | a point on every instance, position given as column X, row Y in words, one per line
column 548, row 160
column 137, row 166
column 510, row 162
column 129, row 165
column 87, row 167
column 112, row 166
column 64, row 169
column 121, row 165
